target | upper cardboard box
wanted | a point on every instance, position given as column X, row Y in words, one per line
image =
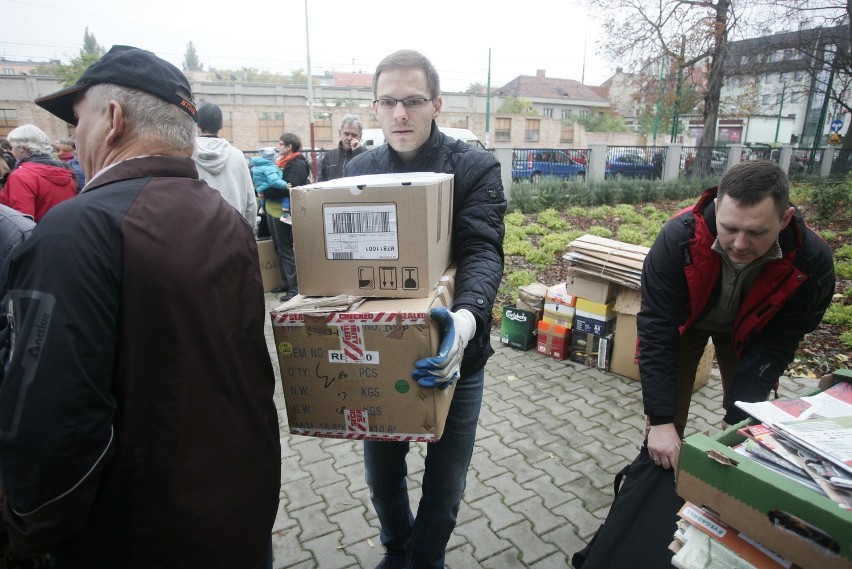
column 382, row 235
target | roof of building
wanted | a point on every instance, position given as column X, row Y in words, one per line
column 745, row 57
column 540, row 86
column 353, row 79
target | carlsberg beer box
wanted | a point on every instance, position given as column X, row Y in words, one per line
column 518, row 328
column 348, row 374
column 382, row 235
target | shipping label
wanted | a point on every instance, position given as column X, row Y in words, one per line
column 361, row 231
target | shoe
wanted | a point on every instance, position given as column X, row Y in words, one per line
column 279, row 289
column 286, row 219
column 288, row 296
column 391, row 562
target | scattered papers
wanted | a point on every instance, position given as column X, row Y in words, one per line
column 835, row 401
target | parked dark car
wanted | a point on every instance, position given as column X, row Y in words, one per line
column 628, row 165
column 533, row 164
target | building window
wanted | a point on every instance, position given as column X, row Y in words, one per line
column 789, row 54
column 8, row 121
column 532, row 130
column 8, row 71
column 503, row 130
column 566, row 133
column 270, row 128
column 566, row 113
column 323, row 133
column 547, row 112
column 795, row 96
column 779, row 98
column 766, row 99
column 458, row 122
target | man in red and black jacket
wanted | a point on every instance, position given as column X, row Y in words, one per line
column 742, row 268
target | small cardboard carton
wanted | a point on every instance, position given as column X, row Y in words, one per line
column 558, row 314
column 806, row 527
column 590, row 288
column 625, row 359
column 348, row 374
column 531, row 298
column 592, row 323
column 517, row 328
column 558, row 294
column 553, row 340
column 591, row 350
column 384, row 235
column 270, row 273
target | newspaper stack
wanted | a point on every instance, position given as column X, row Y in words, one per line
column 808, row 439
column 608, row 259
column 318, row 305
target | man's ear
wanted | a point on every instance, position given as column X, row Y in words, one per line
column 788, row 215
column 436, row 105
column 117, row 123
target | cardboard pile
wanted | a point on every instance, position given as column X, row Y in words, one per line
column 373, row 254
column 612, row 260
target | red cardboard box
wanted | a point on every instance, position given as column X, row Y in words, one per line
column 553, row 340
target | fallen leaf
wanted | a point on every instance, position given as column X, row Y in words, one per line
column 370, row 542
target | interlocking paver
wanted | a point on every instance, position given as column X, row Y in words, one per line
column 551, row 437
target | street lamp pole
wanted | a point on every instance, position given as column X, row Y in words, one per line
column 780, row 110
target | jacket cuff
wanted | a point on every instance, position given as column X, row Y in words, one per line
column 655, row 420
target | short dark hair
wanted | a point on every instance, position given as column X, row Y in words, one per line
column 407, row 58
column 290, row 139
column 752, row 181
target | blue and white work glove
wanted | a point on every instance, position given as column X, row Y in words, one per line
column 441, row 370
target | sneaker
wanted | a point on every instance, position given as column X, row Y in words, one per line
column 288, row 296
column 391, row 562
column 286, row 219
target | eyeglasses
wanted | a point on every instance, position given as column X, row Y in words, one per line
column 410, row 103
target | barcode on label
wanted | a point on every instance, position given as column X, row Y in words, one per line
column 361, row 222
column 342, row 256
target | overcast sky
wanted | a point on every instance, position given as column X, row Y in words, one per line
column 346, row 36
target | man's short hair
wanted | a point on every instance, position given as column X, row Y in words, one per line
column 353, row 120
column 149, row 117
column 292, row 140
column 752, row 181
column 405, row 59
column 31, row 138
column 209, row 118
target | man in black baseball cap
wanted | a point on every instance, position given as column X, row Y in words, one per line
column 162, row 448
column 129, row 67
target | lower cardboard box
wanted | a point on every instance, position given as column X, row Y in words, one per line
column 591, row 350
column 270, row 272
column 348, row 374
column 553, row 340
column 792, row 520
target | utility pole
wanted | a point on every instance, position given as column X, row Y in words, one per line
column 310, row 95
column 488, row 104
column 659, row 98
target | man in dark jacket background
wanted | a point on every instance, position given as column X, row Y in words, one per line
column 742, row 268
column 407, row 102
column 137, row 426
column 332, row 162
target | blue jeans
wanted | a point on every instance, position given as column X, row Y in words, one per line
column 423, row 540
column 282, row 237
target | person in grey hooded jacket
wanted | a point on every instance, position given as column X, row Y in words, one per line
column 222, row 166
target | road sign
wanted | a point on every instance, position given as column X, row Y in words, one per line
column 836, row 125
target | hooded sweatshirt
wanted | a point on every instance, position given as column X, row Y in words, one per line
column 37, row 184
column 224, row 168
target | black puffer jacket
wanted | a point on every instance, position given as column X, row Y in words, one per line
column 478, row 209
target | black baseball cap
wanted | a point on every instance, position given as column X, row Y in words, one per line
column 129, row 67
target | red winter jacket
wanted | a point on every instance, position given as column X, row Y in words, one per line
column 36, row 185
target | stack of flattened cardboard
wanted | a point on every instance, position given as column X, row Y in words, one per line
column 608, row 259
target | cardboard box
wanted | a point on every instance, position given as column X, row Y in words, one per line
column 517, row 328
column 531, row 298
column 385, row 235
column 590, row 288
column 553, row 340
column 596, row 308
column 348, row 374
column 558, row 294
column 765, row 505
column 558, row 314
column 591, row 350
column 625, row 349
column 592, row 323
column 270, row 272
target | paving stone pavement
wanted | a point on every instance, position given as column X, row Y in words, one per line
column 551, row 437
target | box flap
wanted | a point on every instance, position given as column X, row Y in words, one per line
column 379, row 181
column 628, row 301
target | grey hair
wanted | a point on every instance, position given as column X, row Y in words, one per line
column 405, row 59
column 150, row 118
column 353, row 120
column 31, row 138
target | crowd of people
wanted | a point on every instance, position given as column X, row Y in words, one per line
column 137, row 423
